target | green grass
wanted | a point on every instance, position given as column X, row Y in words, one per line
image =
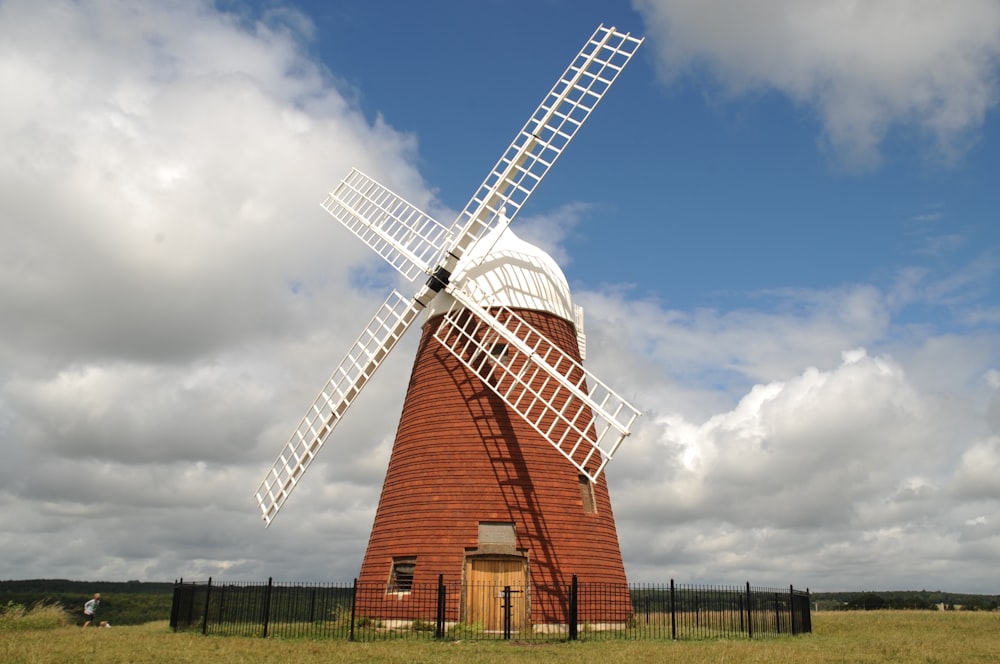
column 869, row 637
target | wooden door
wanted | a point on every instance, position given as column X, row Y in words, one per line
column 486, row 579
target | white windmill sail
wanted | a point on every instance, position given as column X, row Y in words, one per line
column 379, row 337
column 584, row 419
column 546, row 134
column 405, row 237
column 408, row 239
column 412, row 242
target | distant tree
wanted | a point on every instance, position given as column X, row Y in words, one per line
column 866, row 602
column 917, row 602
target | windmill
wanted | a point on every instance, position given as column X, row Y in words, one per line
column 496, row 474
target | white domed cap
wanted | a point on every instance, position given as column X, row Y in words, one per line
column 514, row 273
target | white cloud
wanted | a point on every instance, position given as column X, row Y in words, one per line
column 785, row 331
column 993, row 379
column 172, row 295
column 978, row 470
column 793, row 453
column 549, row 231
column 160, row 175
column 821, row 473
column 865, row 67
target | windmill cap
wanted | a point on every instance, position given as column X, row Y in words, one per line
column 514, row 273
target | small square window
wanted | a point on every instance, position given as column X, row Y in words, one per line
column 401, row 576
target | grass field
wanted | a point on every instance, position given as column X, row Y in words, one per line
column 870, row 637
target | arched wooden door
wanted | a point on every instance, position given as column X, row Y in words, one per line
column 486, row 578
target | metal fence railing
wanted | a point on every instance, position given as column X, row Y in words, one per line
column 579, row 610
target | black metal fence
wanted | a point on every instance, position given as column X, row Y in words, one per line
column 365, row 612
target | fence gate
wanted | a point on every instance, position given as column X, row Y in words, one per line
column 485, row 600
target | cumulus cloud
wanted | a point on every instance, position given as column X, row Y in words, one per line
column 787, row 330
column 777, row 440
column 977, row 470
column 842, row 429
column 833, row 469
column 864, row 67
column 165, row 277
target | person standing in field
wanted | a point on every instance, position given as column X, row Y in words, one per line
column 90, row 608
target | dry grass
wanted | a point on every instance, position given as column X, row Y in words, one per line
column 872, row 637
column 41, row 616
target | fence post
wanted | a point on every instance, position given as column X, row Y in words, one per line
column 807, row 625
column 354, row 602
column 573, row 590
column 673, row 612
column 173, row 608
column 791, row 606
column 506, row 612
column 204, row 616
column 222, row 606
column 439, row 630
column 749, row 613
column 266, row 618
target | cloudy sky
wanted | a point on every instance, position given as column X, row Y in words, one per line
column 782, row 223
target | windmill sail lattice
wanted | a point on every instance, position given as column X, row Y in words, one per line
column 405, row 237
column 546, row 134
column 384, row 220
column 414, row 243
column 379, row 337
column 584, row 419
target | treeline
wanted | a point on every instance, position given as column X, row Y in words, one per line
column 122, row 603
column 904, row 599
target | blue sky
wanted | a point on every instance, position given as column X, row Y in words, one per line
column 724, row 184
column 781, row 223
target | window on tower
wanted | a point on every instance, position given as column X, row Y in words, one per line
column 401, row 575
column 499, row 353
column 490, row 355
column 587, row 495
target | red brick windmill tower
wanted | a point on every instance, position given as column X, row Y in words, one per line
column 495, row 478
